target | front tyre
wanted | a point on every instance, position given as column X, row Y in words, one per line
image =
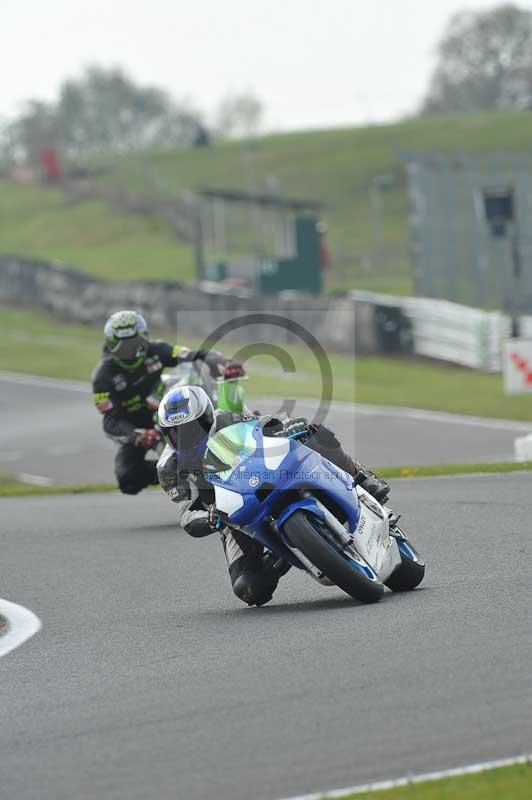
column 411, row 571
column 310, row 535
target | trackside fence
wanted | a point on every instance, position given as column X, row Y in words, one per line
column 448, row 331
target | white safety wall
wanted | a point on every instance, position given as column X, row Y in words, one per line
column 453, row 332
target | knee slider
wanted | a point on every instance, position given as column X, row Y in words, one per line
column 254, row 588
column 128, row 488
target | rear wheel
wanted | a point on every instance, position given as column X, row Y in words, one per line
column 310, row 535
column 411, row 570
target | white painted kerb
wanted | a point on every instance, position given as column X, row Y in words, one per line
column 379, row 786
column 23, row 624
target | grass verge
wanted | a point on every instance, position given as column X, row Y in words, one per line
column 12, row 487
column 337, row 167
column 36, row 343
column 504, row 783
column 484, row 468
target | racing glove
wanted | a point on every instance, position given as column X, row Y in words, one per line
column 214, row 519
column 232, row 371
column 146, row 438
column 215, row 362
column 152, row 402
column 295, row 428
column 204, row 524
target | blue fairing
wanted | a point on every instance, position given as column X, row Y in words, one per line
column 406, row 549
column 297, row 467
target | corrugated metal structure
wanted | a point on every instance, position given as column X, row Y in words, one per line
column 471, row 228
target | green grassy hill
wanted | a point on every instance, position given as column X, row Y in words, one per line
column 40, row 223
column 335, row 166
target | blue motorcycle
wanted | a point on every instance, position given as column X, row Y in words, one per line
column 307, row 512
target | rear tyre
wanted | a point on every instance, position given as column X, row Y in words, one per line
column 411, row 570
column 310, row 535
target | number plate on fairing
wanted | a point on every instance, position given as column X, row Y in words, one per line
column 372, row 537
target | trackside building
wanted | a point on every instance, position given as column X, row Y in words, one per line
column 471, row 228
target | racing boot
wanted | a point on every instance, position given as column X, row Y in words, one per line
column 253, row 579
column 373, row 485
column 255, row 588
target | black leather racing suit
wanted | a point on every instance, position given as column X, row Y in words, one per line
column 127, row 399
column 252, row 572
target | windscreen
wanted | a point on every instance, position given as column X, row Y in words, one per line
column 130, row 349
column 228, row 448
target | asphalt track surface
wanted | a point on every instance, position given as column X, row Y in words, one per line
column 149, row 679
column 55, row 433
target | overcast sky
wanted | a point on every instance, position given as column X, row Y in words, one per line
column 313, row 63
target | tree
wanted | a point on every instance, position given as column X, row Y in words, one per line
column 484, row 62
column 103, row 111
column 36, row 127
column 239, row 115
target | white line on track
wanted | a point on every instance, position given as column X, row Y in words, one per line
column 34, row 480
column 49, row 383
column 380, row 786
column 443, row 417
column 22, row 624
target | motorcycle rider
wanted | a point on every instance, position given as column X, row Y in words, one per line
column 187, row 418
column 127, row 389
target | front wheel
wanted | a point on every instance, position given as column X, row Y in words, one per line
column 310, row 535
column 411, row 571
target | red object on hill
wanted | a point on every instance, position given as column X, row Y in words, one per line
column 325, row 260
column 50, row 164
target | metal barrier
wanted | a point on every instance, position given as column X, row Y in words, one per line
column 450, row 331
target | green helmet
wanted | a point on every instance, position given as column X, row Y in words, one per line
column 126, row 338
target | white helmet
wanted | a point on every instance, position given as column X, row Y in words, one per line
column 186, row 417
